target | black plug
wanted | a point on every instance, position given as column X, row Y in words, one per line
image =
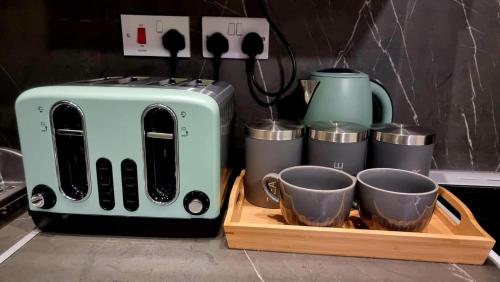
column 217, row 44
column 173, row 41
column 252, row 45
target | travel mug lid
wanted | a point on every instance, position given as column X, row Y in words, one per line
column 403, row 134
column 280, row 130
column 338, row 132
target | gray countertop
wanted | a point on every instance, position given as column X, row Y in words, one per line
column 62, row 257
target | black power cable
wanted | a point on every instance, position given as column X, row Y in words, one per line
column 217, row 44
column 257, row 98
column 252, row 46
column 173, row 41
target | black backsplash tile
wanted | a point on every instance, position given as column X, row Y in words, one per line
column 483, row 202
column 438, row 59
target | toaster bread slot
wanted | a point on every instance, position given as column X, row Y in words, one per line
column 120, row 80
column 105, row 184
column 171, row 81
column 129, row 185
column 160, row 146
column 130, row 79
column 96, row 80
column 71, row 151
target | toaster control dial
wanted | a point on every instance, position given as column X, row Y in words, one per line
column 196, row 202
column 43, row 197
column 195, row 206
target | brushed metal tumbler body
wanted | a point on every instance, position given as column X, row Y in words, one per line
column 339, row 145
column 402, row 146
column 270, row 146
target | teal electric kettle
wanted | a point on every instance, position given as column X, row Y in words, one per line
column 339, row 94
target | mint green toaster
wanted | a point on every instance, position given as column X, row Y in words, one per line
column 146, row 147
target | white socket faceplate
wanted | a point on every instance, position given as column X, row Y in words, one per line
column 154, row 27
column 234, row 29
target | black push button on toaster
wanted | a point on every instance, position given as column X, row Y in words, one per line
column 160, row 139
column 69, row 139
column 43, row 197
column 129, row 185
column 196, row 202
column 105, row 184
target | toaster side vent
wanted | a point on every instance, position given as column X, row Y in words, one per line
column 129, row 185
column 105, row 184
column 68, row 127
column 160, row 147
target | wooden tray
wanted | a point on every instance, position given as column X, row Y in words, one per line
column 251, row 227
column 224, row 183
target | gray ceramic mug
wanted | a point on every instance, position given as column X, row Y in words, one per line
column 311, row 195
column 395, row 199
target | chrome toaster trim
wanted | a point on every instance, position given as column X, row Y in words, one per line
column 56, row 159
column 143, row 135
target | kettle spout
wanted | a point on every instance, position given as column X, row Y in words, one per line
column 309, row 87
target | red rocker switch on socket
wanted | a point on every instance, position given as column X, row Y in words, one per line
column 141, row 35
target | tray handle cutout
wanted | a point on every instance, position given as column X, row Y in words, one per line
column 468, row 224
column 236, row 199
column 240, row 197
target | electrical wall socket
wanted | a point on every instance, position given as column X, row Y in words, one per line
column 142, row 35
column 234, row 29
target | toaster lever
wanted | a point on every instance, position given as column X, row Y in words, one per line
column 160, row 154
column 160, row 135
column 69, row 132
column 71, row 150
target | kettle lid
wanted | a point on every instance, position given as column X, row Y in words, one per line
column 339, row 72
column 338, row 132
column 278, row 129
column 403, row 134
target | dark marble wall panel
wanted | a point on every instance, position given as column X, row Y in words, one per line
column 437, row 58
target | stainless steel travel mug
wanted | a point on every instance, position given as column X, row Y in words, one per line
column 402, row 146
column 270, row 146
column 340, row 145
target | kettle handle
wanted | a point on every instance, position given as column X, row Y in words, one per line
column 381, row 94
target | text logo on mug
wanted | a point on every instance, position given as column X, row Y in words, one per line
column 273, row 188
